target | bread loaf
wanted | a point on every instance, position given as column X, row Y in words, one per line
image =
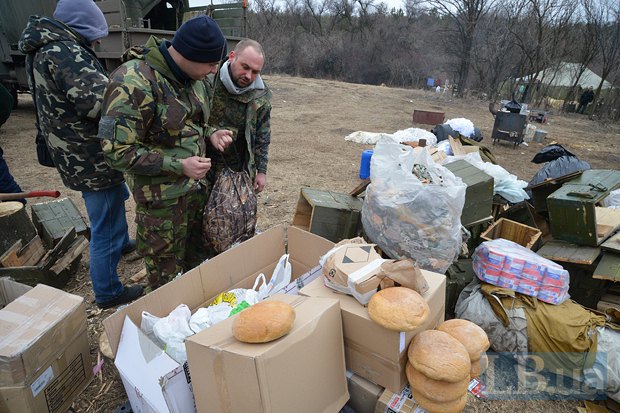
column 479, row 366
column 454, row 406
column 469, row 334
column 439, row 356
column 264, row 322
column 436, row 390
column 398, row 309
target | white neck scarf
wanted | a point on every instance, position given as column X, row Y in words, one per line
column 234, row 89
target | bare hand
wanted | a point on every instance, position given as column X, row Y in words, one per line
column 196, row 167
column 259, row 182
column 220, row 139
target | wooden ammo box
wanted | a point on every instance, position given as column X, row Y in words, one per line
column 329, row 214
column 513, row 231
column 542, row 190
column 54, row 218
column 479, row 192
column 573, row 214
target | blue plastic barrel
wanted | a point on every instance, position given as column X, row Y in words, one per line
column 365, row 164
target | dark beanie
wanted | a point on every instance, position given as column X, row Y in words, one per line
column 200, row 40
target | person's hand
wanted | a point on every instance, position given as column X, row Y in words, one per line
column 220, row 139
column 259, row 182
column 196, row 167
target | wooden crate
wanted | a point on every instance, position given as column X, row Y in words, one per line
column 521, row 234
column 54, row 218
column 427, row 117
column 329, row 214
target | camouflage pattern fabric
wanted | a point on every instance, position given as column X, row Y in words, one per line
column 249, row 114
column 169, row 236
column 230, row 215
column 150, row 121
column 70, row 82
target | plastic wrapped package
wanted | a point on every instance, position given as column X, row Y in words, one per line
column 407, row 218
column 173, row 330
column 509, row 265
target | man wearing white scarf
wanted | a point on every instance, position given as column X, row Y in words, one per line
column 241, row 103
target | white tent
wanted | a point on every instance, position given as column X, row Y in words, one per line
column 565, row 74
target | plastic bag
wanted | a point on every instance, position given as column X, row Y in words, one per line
column 559, row 167
column 205, row 317
column 172, row 330
column 230, row 213
column 146, row 325
column 550, row 153
column 612, row 200
column 409, row 219
column 281, row 276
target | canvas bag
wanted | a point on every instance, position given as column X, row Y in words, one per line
column 230, row 213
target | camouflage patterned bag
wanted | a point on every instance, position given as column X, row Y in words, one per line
column 230, row 213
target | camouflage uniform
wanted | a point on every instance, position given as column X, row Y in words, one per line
column 248, row 115
column 68, row 97
column 151, row 120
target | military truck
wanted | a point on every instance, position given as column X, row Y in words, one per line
column 130, row 22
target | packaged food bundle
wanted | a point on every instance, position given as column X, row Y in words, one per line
column 509, row 265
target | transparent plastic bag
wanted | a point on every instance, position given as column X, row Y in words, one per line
column 173, row 330
column 407, row 218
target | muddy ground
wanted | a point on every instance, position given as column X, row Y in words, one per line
column 310, row 119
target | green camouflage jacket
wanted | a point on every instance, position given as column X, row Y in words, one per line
column 150, row 121
column 70, row 82
column 249, row 113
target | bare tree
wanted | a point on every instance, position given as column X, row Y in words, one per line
column 465, row 15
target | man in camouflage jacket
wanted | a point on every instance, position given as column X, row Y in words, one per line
column 67, row 83
column 241, row 103
column 153, row 126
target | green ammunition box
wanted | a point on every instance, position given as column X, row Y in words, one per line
column 573, row 214
column 329, row 214
column 479, row 192
column 54, row 218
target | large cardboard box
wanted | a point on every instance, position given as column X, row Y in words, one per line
column 44, row 354
column 300, row 372
column 372, row 351
column 235, row 268
column 363, row 394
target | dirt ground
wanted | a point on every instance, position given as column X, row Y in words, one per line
column 310, row 119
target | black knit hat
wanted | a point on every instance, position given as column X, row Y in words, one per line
column 200, row 40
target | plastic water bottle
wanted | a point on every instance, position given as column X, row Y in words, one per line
column 365, row 164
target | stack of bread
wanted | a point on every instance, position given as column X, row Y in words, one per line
column 438, row 371
column 473, row 338
column 398, row 309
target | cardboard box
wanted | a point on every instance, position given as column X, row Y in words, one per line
column 363, row 394
column 300, row 372
column 372, row 351
column 354, row 266
column 235, row 268
column 44, row 352
column 331, row 215
column 401, row 402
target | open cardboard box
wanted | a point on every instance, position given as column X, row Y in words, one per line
column 143, row 367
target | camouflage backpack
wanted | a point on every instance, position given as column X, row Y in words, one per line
column 230, row 214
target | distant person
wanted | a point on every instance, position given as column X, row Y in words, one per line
column 154, row 128
column 242, row 101
column 438, row 89
column 586, row 97
column 67, row 82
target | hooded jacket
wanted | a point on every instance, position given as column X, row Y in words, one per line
column 67, row 82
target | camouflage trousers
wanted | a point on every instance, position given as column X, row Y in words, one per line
column 169, row 235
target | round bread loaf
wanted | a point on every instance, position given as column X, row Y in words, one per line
column 264, row 322
column 454, row 406
column 439, row 356
column 469, row 334
column 479, row 366
column 398, row 309
column 439, row 391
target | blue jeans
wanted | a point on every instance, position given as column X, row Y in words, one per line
column 108, row 235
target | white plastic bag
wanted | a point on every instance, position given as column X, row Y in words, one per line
column 205, row 317
column 281, row 276
column 146, row 325
column 407, row 218
column 173, row 330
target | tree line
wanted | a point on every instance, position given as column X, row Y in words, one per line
column 483, row 47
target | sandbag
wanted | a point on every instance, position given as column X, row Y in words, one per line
column 230, row 213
